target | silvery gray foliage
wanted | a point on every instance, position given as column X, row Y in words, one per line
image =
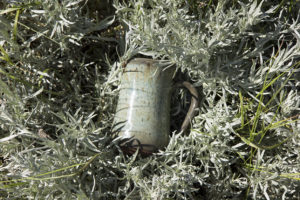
column 227, row 48
column 59, row 93
column 56, row 98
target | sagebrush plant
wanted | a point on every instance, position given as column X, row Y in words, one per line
column 60, row 67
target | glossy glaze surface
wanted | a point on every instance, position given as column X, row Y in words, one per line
column 143, row 112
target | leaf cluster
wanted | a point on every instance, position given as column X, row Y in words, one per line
column 60, row 69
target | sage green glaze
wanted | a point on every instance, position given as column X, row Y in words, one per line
column 143, row 110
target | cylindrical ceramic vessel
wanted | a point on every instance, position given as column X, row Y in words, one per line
column 142, row 117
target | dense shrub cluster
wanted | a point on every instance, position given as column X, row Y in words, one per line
column 60, row 67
